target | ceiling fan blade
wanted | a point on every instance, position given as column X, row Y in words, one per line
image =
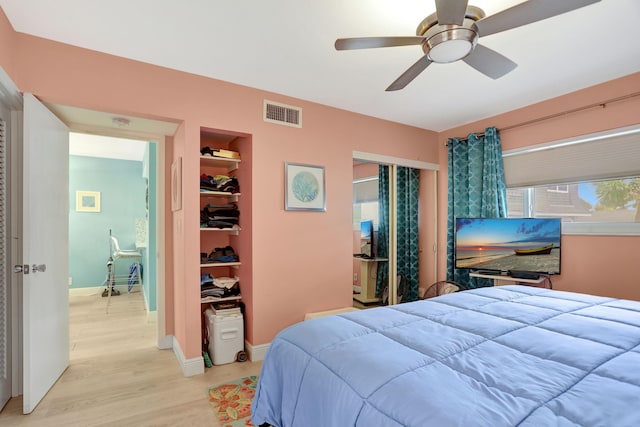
column 527, row 13
column 451, row 12
column 374, row 42
column 411, row 73
column 489, row 62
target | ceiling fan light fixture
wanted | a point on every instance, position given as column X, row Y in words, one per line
column 450, row 51
column 450, row 45
column 456, row 37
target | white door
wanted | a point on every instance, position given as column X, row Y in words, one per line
column 45, row 245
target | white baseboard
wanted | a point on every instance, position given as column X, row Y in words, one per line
column 189, row 367
column 256, row 352
column 165, row 342
column 152, row 316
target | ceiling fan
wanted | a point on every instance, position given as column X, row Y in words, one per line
column 452, row 32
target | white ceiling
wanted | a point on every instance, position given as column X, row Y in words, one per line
column 286, row 46
column 82, row 144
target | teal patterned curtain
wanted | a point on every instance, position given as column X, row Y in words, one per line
column 407, row 233
column 476, row 189
column 382, row 241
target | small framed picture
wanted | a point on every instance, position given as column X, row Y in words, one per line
column 87, row 201
column 304, row 188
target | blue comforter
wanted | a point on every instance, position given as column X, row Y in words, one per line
column 501, row 356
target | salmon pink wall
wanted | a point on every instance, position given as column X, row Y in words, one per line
column 305, row 264
column 601, row 265
column 301, row 261
column 7, row 44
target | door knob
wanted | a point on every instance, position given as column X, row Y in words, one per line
column 21, row 269
column 35, row 268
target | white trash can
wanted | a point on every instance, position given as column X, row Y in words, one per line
column 226, row 336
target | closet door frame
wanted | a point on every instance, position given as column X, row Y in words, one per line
column 394, row 163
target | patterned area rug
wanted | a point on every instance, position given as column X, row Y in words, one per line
column 232, row 401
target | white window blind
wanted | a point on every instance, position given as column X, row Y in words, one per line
column 365, row 190
column 604, row 155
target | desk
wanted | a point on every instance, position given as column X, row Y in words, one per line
column 368, row 274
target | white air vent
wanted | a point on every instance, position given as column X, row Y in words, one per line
column 288, row 115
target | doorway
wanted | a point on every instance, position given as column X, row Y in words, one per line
column 119, row 175
column 160, row 133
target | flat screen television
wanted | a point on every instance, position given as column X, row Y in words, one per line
column 505, row 245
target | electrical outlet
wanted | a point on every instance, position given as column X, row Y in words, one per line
column 70, row 281
column 355, row 277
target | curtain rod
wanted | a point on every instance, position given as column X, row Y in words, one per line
column 466, row 138
column 602, row 104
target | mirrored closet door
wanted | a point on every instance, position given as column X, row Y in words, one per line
column 393, row 221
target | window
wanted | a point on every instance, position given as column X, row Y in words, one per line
column 597, row 201
column 365, row 201
column 592, row 183
column 562, row 188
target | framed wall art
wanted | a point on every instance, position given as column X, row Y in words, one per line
column 87, row 201
column 304, row 188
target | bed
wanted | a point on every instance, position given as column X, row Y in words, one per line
column 498, row 356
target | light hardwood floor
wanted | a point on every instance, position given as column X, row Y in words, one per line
column 117, row 375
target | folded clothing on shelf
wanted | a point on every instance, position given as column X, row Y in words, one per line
column 224, row 183
column 220, row 287
column 226, row 254
column 219, row 216
column 226, row 282
column 206, row 279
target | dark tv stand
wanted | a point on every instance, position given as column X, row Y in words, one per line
column 523, row 275
column 498, row 277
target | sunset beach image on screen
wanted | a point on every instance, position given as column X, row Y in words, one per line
column 506, row 244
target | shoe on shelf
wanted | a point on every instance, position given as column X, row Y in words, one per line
column 226, row 254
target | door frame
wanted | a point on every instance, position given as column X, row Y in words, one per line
column 159, row 131
column 11, row 92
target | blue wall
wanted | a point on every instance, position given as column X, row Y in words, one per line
column 122, row 198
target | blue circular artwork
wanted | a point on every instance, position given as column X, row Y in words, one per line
column 305, row 187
